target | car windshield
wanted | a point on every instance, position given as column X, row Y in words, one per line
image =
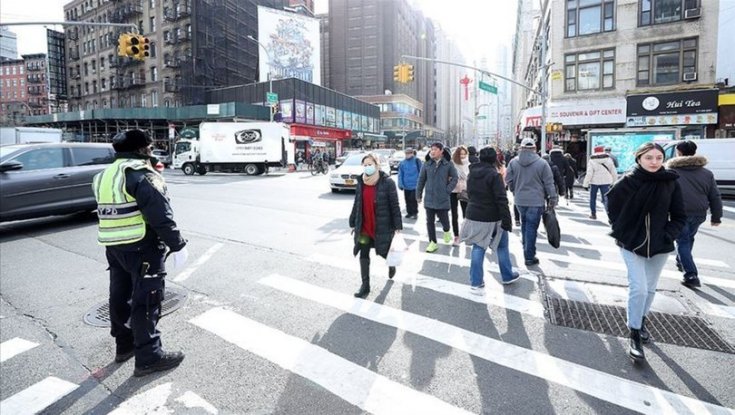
column 384, row 153
column 160, row 152
column 7, row 150
column 353, row 160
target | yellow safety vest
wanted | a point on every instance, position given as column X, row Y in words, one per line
column 121, row 221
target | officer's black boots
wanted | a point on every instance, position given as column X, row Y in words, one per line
column 169, row 360
column 645, row 335
column 636, row 349
column 391, row 272
column 365, row 274
column 121, row 357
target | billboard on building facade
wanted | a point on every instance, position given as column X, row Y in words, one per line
column 309, row 113
column 293, row 45
column 330, row 117
column 340, row 118
column 287, row 110
column 300, row 111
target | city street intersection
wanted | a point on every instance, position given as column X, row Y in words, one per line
column 270, row 325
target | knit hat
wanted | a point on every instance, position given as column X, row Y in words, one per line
column 131, row 140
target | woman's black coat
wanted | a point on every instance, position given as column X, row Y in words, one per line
column 488, row 198
column 387, row 214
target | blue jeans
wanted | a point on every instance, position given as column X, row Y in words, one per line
column 685, row 243
column 530, row 220
column 478, row 258
column 603, row 188
column 643, row 275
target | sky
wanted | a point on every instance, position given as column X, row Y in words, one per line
column 477, row 26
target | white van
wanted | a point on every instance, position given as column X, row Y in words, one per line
column 720, row 153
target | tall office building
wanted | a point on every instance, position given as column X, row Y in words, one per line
column 195, row 45
column 367, row 38
column 8, row 44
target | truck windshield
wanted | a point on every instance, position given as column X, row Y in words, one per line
column 182, row 148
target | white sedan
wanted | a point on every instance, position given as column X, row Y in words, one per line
column 345, row 176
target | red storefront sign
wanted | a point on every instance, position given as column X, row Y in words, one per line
column 320, row 133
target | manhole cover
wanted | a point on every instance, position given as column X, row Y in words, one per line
column 667, row 328
column 99, row 315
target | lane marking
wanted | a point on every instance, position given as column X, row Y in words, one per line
column 185, row 274
column 14, row 347
column 191, row 400
column 601, row 385
column 152, row 401
column 37, row 397
column 728, row 209
column 493, row 290
column 353, row 383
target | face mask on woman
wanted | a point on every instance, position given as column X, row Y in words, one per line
column 369, row 170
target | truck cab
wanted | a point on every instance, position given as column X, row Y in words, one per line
column 186, row 157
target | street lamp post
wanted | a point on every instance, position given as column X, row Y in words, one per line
column 270, row 79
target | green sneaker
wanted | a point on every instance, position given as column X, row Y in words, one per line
column 447, row 237
column 432, row 247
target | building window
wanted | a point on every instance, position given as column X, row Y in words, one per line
column 86, row 69
column 154, row 98
column 665, row 63
column 590, row 70
column 152, row 49
column 154, row 74
column 664, row 11
column 152, row 4
column 103, row 84
column 153, row 24
column 94, row 87
column 585, row 17
column 102, row 63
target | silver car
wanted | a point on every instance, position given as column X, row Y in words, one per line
column 49, row 179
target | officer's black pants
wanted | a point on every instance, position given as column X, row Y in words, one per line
column 136, row 292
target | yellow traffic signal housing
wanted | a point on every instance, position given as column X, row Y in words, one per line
column 409, row 73
column 127, row 45
column 397, row 73
column 143, row 47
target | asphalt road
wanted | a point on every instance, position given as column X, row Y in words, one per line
column 270, row 324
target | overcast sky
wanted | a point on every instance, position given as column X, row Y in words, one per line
column 477, row 26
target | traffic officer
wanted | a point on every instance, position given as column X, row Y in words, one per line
column 136, row 225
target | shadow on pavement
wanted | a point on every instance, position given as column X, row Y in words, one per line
column 11, row 231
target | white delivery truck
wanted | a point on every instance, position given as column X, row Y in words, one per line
column 720, row 153
column 24, row 135
column 235, row 147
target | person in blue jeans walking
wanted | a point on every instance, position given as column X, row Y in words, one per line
column 600, row 175
column 646, row 211
column 530, row 179
column 408, row 178
column 700, row 193
column 488, row 220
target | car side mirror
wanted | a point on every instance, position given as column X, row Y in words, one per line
column 10, row 165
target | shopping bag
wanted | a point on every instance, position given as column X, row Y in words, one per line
column 398, row 249
column 551, row 224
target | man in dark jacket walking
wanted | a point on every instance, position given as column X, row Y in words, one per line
column 439, row 177
column 408, row 177
column 700, row 193
column 556, row 158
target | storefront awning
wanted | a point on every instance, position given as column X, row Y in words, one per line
column 581, row 112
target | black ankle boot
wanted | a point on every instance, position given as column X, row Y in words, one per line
column 391, row 272
column 645, row 335
column 636, row 349
column 365, row 275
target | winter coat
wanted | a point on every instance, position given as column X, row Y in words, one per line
column 408, row 173
column 387, row 214
column 571, row 175
column 488, row 198
column 556, row 158
column 600, row 171
column 439, row 178
column 646, row 211
column 698, row 186
column 462, row 171
column 531, row 180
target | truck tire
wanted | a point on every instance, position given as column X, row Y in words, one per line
column 252, row 169
column 188, row 169
column 202, row 170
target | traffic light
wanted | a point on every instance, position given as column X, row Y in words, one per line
column 127, row 45
column 397, row 73
column 143, row 47
column 409, row 72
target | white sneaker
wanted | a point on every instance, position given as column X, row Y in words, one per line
column 477, row 290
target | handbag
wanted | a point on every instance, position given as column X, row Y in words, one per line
column 551, row 224
column 397, row 252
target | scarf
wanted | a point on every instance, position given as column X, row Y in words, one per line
column 371, row 180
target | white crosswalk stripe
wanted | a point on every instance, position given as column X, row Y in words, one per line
column 38, row 397
column 14, row 347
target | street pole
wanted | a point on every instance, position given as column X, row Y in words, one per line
column 270, row 78
column 544, row 69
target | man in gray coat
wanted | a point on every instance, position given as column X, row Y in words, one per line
column 439, row 177
column 700, row 193
column 530, row 179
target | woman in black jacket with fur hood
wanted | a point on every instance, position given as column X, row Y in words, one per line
column 646, row 212
column 375, row 218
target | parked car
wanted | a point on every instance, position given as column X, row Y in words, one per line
column 384, row 152
column 49, row 179
column 396, row 159
column 341, row 159
column 163, row 156
column 345, row 176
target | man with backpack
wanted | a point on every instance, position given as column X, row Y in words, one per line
column 408, row 177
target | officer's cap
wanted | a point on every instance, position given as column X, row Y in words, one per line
column 130, row 140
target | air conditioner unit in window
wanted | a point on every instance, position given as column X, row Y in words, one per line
column 690, row 76
column 693, row 13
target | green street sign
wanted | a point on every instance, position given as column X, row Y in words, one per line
column 271, row 98
column 489, row 88
column 481, row 117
